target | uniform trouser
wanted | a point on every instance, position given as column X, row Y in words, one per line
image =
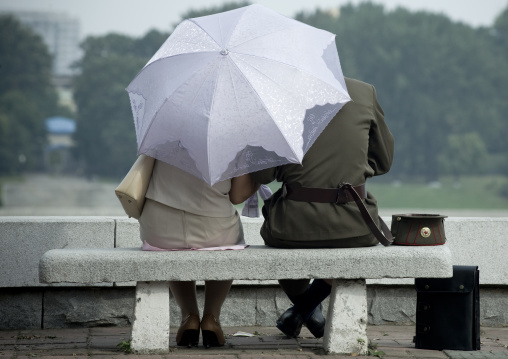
column 296, row 288
column 352, row 242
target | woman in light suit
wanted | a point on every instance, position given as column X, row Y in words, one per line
column 184, row 212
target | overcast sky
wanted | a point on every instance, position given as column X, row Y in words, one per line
column 136, row 17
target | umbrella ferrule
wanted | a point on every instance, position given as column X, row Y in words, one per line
column 224, row 52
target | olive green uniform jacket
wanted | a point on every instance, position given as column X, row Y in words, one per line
column 355, row 145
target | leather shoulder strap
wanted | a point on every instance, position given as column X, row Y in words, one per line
column 384, row 237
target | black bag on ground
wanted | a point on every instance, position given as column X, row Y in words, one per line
column 448, row 311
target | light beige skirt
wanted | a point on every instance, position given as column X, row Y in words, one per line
column 165, row 227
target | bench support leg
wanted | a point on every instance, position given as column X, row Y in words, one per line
column 346, row 325
column 150, row 329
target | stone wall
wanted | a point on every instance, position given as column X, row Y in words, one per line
column 246, row 305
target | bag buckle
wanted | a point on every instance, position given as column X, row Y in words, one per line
column 284, row 190
column 341, row 189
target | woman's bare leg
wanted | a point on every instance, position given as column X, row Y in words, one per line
column 216, row 292
column 185, row 296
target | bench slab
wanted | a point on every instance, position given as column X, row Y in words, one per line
column 346, row 327
column 253, row 263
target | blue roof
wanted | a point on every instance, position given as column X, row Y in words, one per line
column 60, row 125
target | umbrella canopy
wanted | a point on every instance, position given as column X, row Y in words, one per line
column 237, row 92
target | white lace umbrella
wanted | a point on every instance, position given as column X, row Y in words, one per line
column 237, row 92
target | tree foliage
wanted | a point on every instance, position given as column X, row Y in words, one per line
column 500, row 30
column 468, row 152
column 27, row 97
column 213, row 10
column 434, row 78
column 105, row 135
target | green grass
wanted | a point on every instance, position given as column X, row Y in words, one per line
column 2, row 181
column 473, row 193
column 5, row 179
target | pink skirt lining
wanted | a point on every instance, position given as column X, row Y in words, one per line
column 148, row 247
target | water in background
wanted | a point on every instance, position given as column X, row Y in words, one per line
column 43, row 195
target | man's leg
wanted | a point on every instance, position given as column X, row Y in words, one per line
column 294, row 287
column 307, row 307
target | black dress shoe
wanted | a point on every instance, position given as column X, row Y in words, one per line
column 316, row 322
column 290, row 323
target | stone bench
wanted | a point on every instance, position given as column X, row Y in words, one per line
column 346, row 326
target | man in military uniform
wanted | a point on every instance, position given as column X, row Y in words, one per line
column 313, row 210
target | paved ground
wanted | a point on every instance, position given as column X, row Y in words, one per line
column 102, row 343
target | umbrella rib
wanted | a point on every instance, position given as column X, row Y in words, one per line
column 282, row 63
column 158, row 60
column 260, row 100
column 337, row 89
column 220, row 30
column 173, row 56
column 277, row 84
column 211, row 107
column 167, row 98
column 296, row 68
column 213, row 100
column 234, row 87
column 208, row 127
column 207, row 34
column 260, row 36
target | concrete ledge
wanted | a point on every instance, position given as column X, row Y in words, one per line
column 25, row 239
column 473, row 241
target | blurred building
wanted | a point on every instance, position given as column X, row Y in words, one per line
column 58, row 152
column 61, row 34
